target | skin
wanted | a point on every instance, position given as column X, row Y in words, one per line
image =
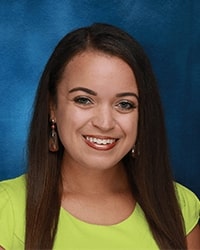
column 97, row 100
column 89, row 90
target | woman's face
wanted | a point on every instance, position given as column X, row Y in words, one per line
column 96, row 111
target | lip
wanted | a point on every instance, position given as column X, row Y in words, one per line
column 102, row 143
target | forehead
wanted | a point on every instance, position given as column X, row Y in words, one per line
column 98, row 69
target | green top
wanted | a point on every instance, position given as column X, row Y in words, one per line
column 132, row 233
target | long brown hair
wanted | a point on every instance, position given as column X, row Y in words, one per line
column 149, row 173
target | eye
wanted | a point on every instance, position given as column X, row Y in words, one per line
column 125, row 106
column 82, row 100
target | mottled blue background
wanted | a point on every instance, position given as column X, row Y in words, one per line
column 169, row 30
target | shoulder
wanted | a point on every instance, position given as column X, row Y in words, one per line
column 12, row 211
column 13, row 187
column 12, row 196
column 13, row 193
column 190, row 206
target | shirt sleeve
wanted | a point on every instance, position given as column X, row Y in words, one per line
column 190, row 207
column 6, row 219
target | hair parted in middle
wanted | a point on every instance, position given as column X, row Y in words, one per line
column 149, row 174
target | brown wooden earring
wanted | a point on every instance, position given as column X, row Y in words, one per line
column 53, row 137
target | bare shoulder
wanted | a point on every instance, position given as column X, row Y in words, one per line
column 1, row 248
column 193, row 239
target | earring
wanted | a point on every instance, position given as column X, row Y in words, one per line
column 134, row 151
column 53, row 137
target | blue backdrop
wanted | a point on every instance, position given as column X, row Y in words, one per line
column 169, row 31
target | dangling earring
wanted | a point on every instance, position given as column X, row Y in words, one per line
column 53, row 137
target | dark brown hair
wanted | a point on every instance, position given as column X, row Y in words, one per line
column 149, row 174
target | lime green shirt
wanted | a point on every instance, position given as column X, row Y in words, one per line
column 132, row 233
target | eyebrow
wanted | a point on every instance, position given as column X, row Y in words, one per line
column 128, row 94
column 91, row 92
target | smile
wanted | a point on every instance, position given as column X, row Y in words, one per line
column 100, row 143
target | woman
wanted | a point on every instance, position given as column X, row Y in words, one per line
column 98, row 174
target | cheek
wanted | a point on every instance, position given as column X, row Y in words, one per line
column 63, row 123
column 130, row 128
column 69, row 120
column 130, row 124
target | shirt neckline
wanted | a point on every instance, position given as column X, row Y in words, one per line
column 123, row 222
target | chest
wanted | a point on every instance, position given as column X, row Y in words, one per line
column 133, row 233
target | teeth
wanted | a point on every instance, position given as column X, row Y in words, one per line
column 100, row 141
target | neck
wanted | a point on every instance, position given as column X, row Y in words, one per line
column 92, row 181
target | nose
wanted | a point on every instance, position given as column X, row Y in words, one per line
column 104, row 118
